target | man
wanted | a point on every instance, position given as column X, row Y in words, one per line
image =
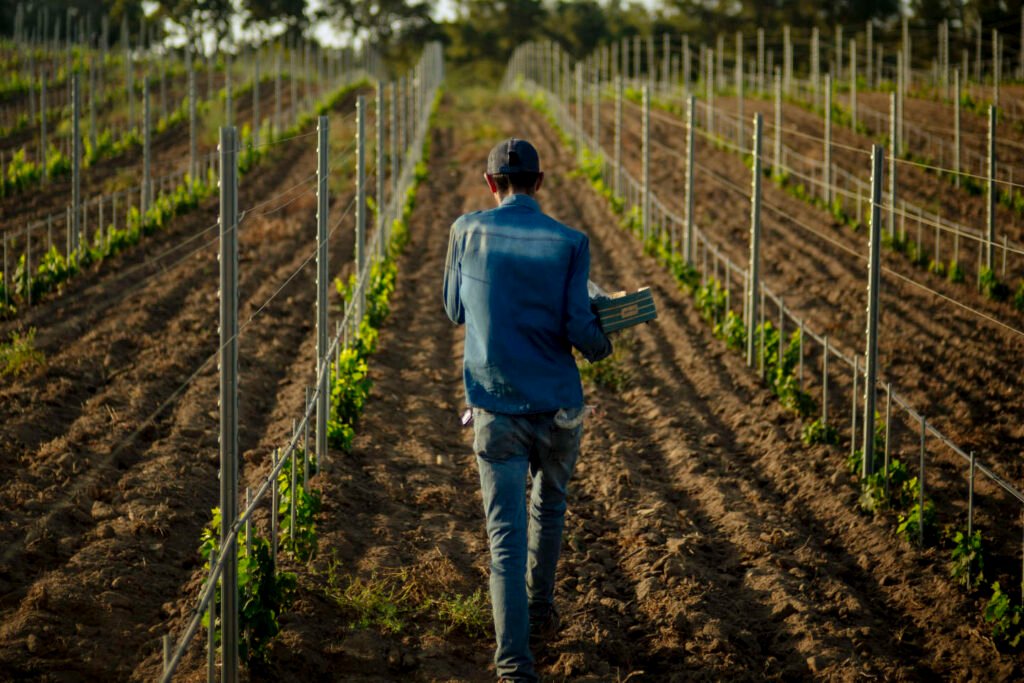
column 518, row 280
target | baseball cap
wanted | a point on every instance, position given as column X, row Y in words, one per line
column 513, row 156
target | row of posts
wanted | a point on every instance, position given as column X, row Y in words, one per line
column 75, row 208
column 409, row 108
column 628, row 58
column 870, row 372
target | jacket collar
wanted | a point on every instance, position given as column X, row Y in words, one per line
column 523, row 200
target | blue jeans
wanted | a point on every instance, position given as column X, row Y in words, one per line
column 523, row 554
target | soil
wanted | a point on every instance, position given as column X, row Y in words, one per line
column 702, row 541
column 111, row 454
column 956, row 368
column 169, row 153
column 852, row 153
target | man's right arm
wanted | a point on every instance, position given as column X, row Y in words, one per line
column 584, row 329
column 452, row 276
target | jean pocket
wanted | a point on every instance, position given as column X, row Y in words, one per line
column 495, row 436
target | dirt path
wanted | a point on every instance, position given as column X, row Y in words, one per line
column 103, row 506
column 702, row 541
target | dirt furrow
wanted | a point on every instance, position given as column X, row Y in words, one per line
column 824, row 285
column 146, row 502
column 808, row 567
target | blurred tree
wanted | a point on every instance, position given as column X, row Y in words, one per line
column 578, row 26
column 262, row 14
column 380, row 22
column 199, row 17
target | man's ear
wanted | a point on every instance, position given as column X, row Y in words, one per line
column 490, row 183
column 540, row 181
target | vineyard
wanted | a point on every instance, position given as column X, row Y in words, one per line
column 231, row 400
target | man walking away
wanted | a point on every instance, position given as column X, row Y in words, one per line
column 517, row 279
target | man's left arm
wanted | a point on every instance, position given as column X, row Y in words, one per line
column 452, row 275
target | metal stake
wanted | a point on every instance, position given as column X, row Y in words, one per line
column 322, row 279
column 76, row 163
column 360, row 204
column 871, row 353
column 990, row 204
column 646, row 169
column 754, row 267
column 229, row 393
column 690, row 125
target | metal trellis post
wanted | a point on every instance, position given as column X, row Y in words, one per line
column 871, row 353
column 322, row 278
column 229, row 396
column 360, row 205
column 755, row 239
column 688, row 235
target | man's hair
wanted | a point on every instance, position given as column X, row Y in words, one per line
column 522, row 182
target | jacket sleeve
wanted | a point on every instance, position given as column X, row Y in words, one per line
column 582, row 325
column 452, row 277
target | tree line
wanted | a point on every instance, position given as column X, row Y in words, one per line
column 484, row 32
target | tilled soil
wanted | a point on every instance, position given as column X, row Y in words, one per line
column 959, row 370
column 111, row 452
column 169, row 152
column 803, row 131
column 703, row 542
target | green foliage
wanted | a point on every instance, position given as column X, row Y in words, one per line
column 20, row 174
column 911, row 522
column 954, row 273
column 992, row 287
column 937, row 267
column 470, row 614
column 967, row 562
column 20, row 354
column 1018, row 296
column 711, row 302
column 732, row 331
column 302, row 539
column 1005, row 617
column 612, row 372
column 350, row 387
column 818, row 432
column 263, row 593
column 873, row 489
column 389, row 600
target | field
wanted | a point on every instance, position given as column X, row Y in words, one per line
column 707, row 537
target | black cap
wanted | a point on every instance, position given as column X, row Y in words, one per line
column 513, row 156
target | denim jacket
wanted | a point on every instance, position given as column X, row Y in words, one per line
column 517, row 278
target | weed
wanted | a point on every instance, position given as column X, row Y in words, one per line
column 20, row 354
column 470, row 614
column 611, row 372
column 1018, row 296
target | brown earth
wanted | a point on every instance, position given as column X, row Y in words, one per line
column 169, row 153
column 803, row 132
column 110, row 466
column 957, row 369
column 703, row 541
